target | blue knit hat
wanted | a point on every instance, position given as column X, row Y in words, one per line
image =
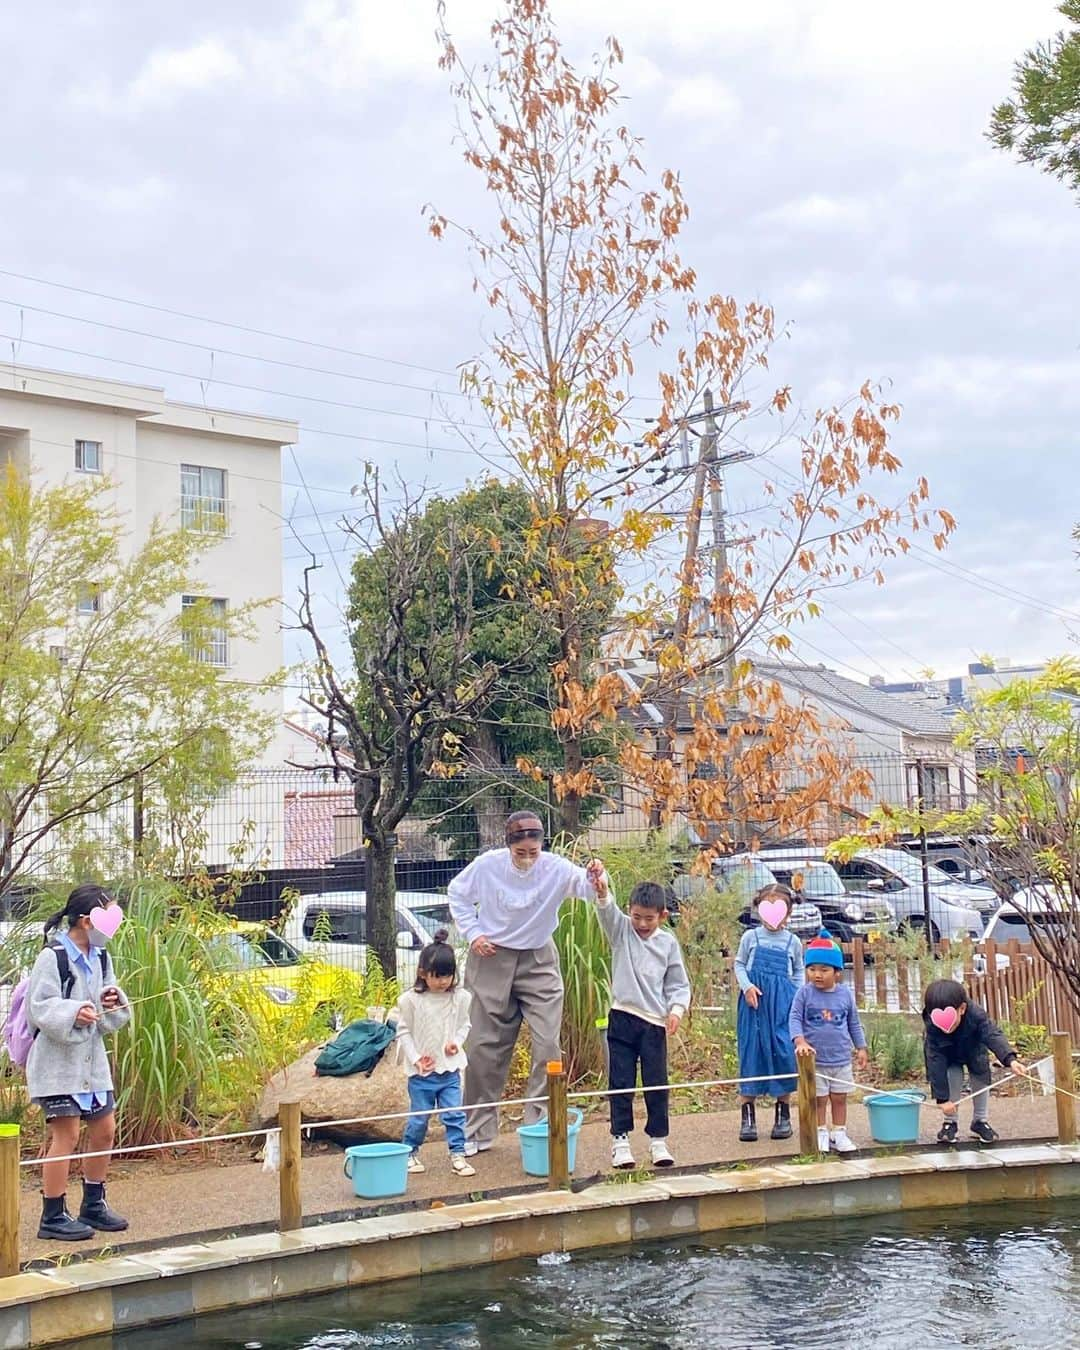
column 823, row 951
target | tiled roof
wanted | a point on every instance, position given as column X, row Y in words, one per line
column 309, row 825
column 856, row 699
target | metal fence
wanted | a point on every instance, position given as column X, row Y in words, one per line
column 301, row 827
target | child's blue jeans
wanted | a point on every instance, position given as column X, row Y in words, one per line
column 436, row 1091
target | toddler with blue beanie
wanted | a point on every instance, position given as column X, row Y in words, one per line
column 824, row 1022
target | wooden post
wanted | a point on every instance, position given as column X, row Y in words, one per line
column 9, row 1200
column 291, row 1213
column 558, row 1143
column 1063, row 1079
column 858, row 972
column 807, row 1101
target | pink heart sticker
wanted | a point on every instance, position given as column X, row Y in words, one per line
column 107, row 921
column 773, row 913
column 945, row 1019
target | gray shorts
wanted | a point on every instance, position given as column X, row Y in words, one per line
column 835, row 1078
column 56, row 1108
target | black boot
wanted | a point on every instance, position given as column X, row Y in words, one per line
column 57, row 1225
column 96, row 1212
column 748, row 1133
column 782, row 1124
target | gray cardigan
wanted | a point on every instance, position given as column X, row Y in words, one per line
column 66, row 1059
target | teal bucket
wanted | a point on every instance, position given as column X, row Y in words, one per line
column 376, row 1170
column 534, row 1143
column 894, row 1116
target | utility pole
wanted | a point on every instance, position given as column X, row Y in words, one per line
column 707, row 474
column 725, row 623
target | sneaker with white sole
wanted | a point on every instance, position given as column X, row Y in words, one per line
column 660, row 1153
column 461, row 1165
column 823, row 1139
column 841, row 1143
column 620, row 1151
column 475, row 1146
column 414, row 1164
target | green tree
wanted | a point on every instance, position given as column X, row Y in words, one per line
column 104, row 678
column 482, row 784
column 1041, row 122
column 417, row 675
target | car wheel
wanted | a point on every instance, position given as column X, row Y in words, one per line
column 917, row 924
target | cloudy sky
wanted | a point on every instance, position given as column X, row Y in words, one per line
column 265, row 165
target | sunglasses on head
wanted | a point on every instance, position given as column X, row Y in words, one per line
column 519, row 835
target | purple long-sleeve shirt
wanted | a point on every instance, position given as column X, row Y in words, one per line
column 829, row 1020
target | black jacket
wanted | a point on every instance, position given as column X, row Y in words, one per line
column 968, row 1045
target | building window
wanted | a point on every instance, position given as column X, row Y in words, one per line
column 204, row 504
column 211, row 642
column 89, row 599
column 60, row 655
column 88, row 456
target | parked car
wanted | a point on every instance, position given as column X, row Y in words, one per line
column 846, row 914
column 252, row 952
column 956, row 911
column 1013, row 921
column 333, row 927
column 746, row 874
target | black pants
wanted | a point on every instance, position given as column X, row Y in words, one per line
column 632, row 1041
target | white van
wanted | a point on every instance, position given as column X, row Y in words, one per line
column 344, row 927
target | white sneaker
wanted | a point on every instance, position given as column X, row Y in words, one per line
column 823, row 1138
column 475, row 1146
column 660, row 1153
column 414, row 1163
column 461, row 1165
column 841, row 1143
column 620, row 1151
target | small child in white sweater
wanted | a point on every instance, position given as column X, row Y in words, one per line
column 433, row 1022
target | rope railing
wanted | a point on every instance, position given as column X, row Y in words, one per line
column 287, row 1134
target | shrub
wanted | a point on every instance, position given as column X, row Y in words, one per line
column 895, row 1047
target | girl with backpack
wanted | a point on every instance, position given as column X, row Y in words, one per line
column 72, row 1003
column 433, row 1022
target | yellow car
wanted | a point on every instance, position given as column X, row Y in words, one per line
column 288, row 982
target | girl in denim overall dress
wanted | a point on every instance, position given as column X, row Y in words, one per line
column 769, row 969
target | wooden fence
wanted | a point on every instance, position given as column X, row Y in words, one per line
column 1027, row 989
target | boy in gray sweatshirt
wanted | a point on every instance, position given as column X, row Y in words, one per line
column 650, row 993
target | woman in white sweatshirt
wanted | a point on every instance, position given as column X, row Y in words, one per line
column 433, row 1021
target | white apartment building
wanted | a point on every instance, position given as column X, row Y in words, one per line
column 204, row 468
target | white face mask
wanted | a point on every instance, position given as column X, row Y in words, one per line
column 97, row 938
column 523, row 865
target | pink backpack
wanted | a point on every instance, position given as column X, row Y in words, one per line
column 18, row 1034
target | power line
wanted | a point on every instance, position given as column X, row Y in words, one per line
column 942, row 564
column 242, row 356
column 233, row 384
column 224, row 323
column 308, row 431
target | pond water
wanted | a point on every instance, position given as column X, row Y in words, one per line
column 1007, row 1277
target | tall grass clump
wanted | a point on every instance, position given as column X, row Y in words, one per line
column 191, row 1054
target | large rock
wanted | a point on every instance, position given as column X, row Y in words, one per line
column 322, row 1099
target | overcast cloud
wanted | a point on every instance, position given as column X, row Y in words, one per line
column 266, row 163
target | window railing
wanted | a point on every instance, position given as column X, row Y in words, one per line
column 206, row 515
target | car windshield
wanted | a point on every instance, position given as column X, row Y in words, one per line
column 820, row 880
column 904, row 865
column 744, row 877
column 432, row 917
column 241, row 950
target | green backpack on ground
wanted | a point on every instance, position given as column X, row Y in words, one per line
column 357, row 1049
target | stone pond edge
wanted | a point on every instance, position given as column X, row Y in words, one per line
column 98, row 1297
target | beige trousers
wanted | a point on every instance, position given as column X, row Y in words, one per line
column 505, row 988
